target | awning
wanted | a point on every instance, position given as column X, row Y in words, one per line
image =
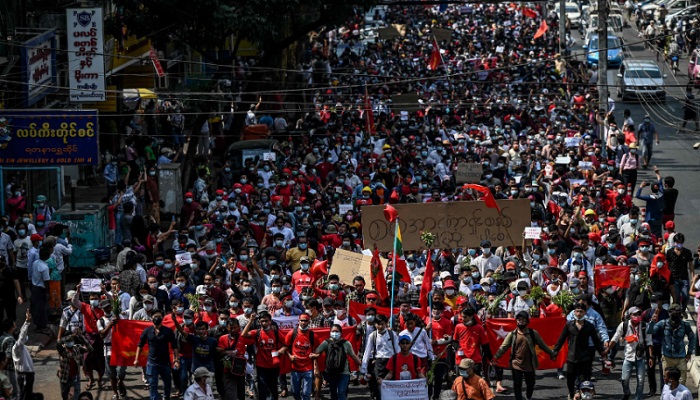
column 131, row 95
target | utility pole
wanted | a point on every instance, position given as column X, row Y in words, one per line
column 562, row 28
column 602, row 62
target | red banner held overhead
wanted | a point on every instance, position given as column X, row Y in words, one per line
column 549, row 329
column 612, row 275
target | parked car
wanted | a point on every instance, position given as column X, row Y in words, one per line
column 672, row 6
column 615, row 21
column 573, row 13
column 640, row 78
column 615, row 54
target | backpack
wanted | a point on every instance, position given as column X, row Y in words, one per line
column 335, row 357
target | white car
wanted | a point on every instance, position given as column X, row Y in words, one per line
column 615, row 21
column 671, row 6
column 637, row 79
column 573, row 13
column 686, row 12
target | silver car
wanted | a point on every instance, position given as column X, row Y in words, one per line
column 637, row 79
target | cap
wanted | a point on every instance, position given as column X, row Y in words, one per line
column 189, row 194
column 477, row 287
column 510, row 265
column 70, row 294
column 105, row 303
column 304, row 317
column 188, row 313
column 201, row 372
column 485, row 282
column 304, row 258
column 589, row 212
column 485, row 243
column 328, row 302
column 445, row 274
column 670, row 225
column 201, row 290
column 148, row 297
column 523, row 315
column 633, row 145
column 219, row 192
column 418, row 280
column 449, row 284
column 405, row 337
column 36, row 237
column 633, row 310
column 586, row 385
column 466, row 363
column 574, row 283
column 675, row 308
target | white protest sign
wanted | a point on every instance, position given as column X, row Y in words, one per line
column 344, row 208
column 413, row 389
column 585, row 165
column 283, row 322
column 574, row 182
column 572, row 141
column 468, row 173
column 563, row 160
column 548, row 170
column 533, row 233
column 184, row 258
column 499, row 49
column 404, row 115
column 91, row 285
column 271, row 156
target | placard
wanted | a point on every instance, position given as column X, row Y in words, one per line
column 574, row 182
column 184, row 258
column 404, row 115
column 469, row 173
column 454, row 224
column 270, row 156
column 284, row 322
column 585, row 165
column 548, row 171
column 86, row 68
column 572, row 141
column 406, row 102
column 412, row 389
column 39, row 78
column 91, row 285
column 533, row 233
column 348, row 264
column 344, row 208
column 499, row 49
column 563, row 160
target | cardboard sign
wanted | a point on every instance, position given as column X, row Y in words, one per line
column 563, row 160
column 455, row 224
column 91, row 285
column 572, row 141
column 270, row 156
column 585, row 165
column 412, row 389
column 533, row 233
column 344, row 208
column 184, row 258
column 469, row 173
column 442, row 34
column 348, row 264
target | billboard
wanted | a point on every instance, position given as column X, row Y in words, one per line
column 38, row 56
column 48, row 137
column 86, row 69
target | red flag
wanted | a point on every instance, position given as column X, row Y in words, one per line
column 486, row 194
column 390, row 213
column 357, row 311
column 542, row 30
column 435, row 57
column 377, row 275
column 549, row 329
column 369, row 114
column 427, row 285
column 530, row 13
column 612, row 275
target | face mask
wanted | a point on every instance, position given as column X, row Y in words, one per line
column 181, row 285
column 636, row 319
column 247, row 289
column 21, row 232
column 179, row 310
column 633, row 221
column 94, row 303
column 346, row 244
column 39, row 223
column 340, row 314
column 575, row 290
column 304, row 267
column 207, row 308
column 276, row 290
column 279, row 243
column 248, row 311
column 524, row 274
column 611, row 245
column 333, row 286
column 189, row 200
column 160, row 263
column 157, row 321
column 644, row 249
column 486, row 250
column 243, row 257
column 370, row 318
column 621, row 191
column 472, row 252
column 609, row 290
column 69, row 344
column 148, row 306
column 222, row 322
column 335, row 335
column 288, row 304
column 449, row 292
column 168, row 266
column 303, row 246
column 551, row 251
column 188, row 321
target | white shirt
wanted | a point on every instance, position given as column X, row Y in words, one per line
column 679, row 393
column 20, row 355
column 487, row 263
column 421, row 347
column 387, row 345
column 195, row 392
column 630, row 347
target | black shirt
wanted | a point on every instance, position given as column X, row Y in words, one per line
column 670, row 197
column 678, row 263
column 7, row 283
column 578, row 341
column 158, row 351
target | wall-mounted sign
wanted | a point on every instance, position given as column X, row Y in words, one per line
column 38, row 56
column 85, row 54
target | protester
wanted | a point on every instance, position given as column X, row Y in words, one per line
column 338, row 351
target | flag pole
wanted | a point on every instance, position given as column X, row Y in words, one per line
column 430, row 296
column 393, row 274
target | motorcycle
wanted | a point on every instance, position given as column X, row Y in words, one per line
column 674, row 64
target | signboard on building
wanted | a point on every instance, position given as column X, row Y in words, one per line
column 38, row 56
column 48, row 137
column 86, row 68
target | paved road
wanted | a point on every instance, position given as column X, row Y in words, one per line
column 674, row 156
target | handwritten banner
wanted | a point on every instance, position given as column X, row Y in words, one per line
column 469, row 173
column 48, row 137
column 413, row 389
column 455, row 224
column 348, row 264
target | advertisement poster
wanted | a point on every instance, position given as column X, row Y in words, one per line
column 38, row 56
column 86, row 69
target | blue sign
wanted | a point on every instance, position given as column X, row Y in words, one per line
column 38, row 57
column 48, row 137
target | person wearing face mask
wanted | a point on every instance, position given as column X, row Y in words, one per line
column 629, row 163
column 161, row 341
column 299, row 344
column 472, row 339
column 520, row 301
column 450, row 290
column 638, row 345
column 338, row 375
column 469, row 385
column 115, row 374
column 487, row 261
column 381, row 345
column 235, row 308
column 145, row 313
column 71, row 351
column 655, row 204
column 287, row 309
column 269, row 345
column 442, row 330
column 680, row 262
column 523, row 356
column 578, row 332
column 189, row 208
column 341, row 315
column 673, row 348
column 659, row 309
column 92, row 312
column 586, row 391
column 577, row 261
column 294, row 255
column 203, row 345
column 302, row 278
column 273, row 300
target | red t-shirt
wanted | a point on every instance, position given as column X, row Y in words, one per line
column 301, row 279
column 400, row 366
column 212, row 319
column 301, row 349
column 266, row 343
column 470, row 339
column 226, row 342
column 90, row 317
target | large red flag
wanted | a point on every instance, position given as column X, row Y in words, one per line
column 549, row 329
column 530, row 13
column 612, row 275
column 377, row 274
column 486, row 194
column 427, row 285
column 435, row 57
column 542, row 30
column 369, row 114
